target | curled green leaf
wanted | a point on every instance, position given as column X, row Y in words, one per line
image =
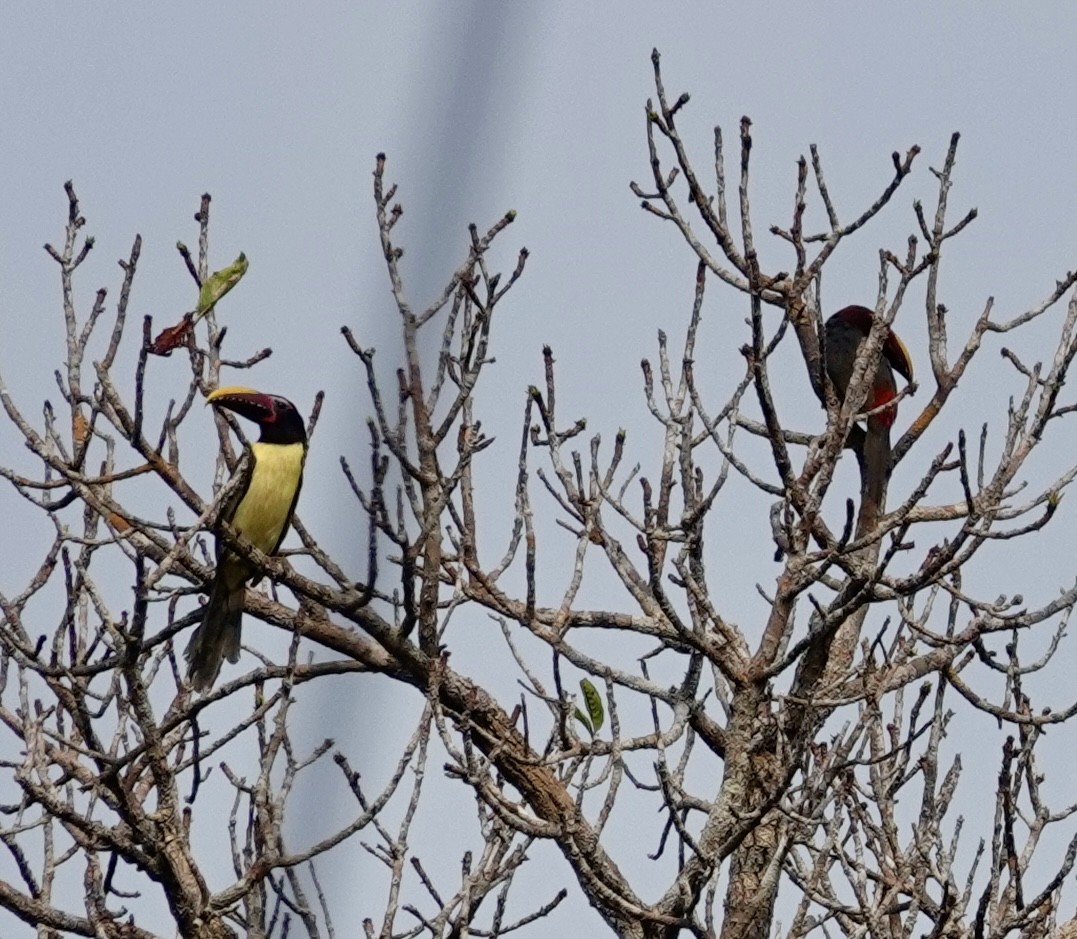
column 219, row 283
column 583, row 719
column 593, row 700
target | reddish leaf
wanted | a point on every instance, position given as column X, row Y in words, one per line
column 172, row 337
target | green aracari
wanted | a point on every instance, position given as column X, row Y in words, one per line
column 260, row 509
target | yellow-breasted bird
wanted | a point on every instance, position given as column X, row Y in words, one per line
column 844, row 332
column 260, row 509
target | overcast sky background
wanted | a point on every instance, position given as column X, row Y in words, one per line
column 279, row 109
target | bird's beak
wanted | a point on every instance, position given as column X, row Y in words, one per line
column 898, row 355
column 246, row 402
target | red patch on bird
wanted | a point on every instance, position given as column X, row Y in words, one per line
column 879, row 397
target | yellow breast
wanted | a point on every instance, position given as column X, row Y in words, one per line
column 262, row 515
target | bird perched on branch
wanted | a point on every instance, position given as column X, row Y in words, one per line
column 260, row 509
column 844, row 333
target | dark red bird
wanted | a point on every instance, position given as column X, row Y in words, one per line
column 844, row 333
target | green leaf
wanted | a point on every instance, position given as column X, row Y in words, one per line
column 582, row 718
column 219, row 283
column 595, row 711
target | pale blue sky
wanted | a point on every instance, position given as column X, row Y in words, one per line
column 278, row 110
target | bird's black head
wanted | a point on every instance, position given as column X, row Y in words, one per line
column 860, row 317
column 276, row 417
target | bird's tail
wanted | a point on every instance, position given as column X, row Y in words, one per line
column 218, row 636
column 875, row 467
